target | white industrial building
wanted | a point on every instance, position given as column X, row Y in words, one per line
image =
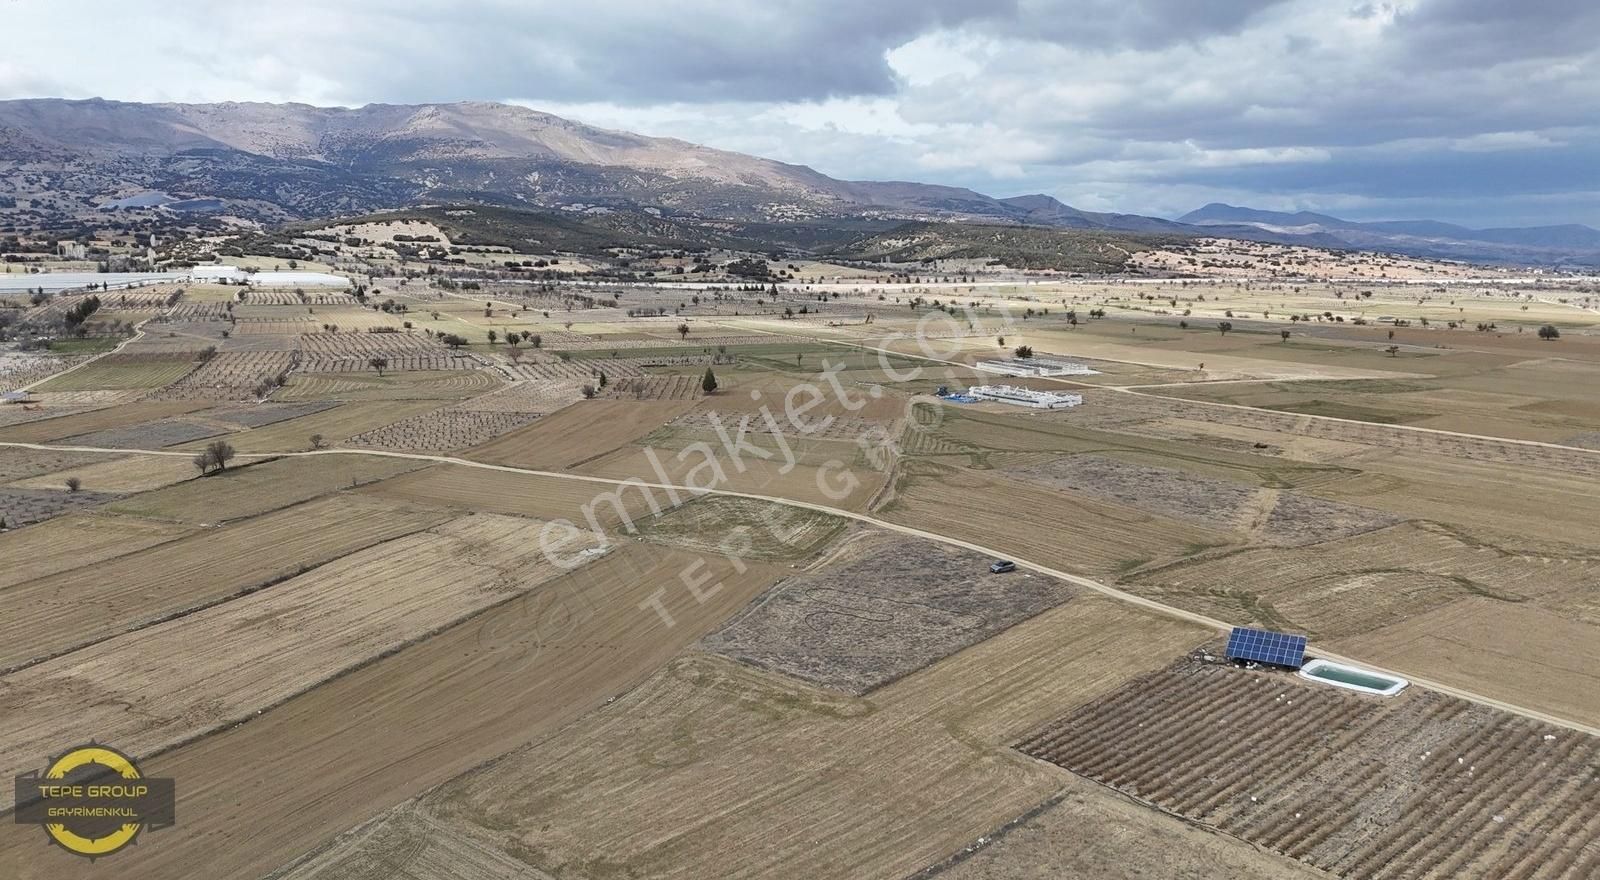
column 1025, row 396
column 1033, row 367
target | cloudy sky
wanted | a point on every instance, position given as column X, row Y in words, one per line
column 1476, row 111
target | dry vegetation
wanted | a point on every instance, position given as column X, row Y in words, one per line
column 1417, row 785
column 364, row 666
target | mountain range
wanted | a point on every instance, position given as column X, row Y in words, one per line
column 281, row 162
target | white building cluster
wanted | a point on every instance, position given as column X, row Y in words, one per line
column 1025, row 396
column 1033, row 367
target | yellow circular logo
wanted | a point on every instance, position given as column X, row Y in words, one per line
column 93, row 801
column 80, row 843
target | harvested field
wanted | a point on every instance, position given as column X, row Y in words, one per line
column 827, row 472
column 62, row 612
column 821, row 428
column 442, row 430
column 417, row 385
column 124, row 370
column 259, row 487
column 688, row 775
column 1355, row 585
column 135, row 473
column 1072, row 533
column 1384, row 436
column 654, row 387
column 465, row 488
column 20, row 507
column 1416, row 785
column 896, row 605
column 579, row 433
column 1089, row 833
column 1520, row 654
column 53, row 429
column 148, row 435
column 743, row 528
column 263, row 414
column 516, row 673
column 281, row 641
column 74, row 541
column 1280, row 516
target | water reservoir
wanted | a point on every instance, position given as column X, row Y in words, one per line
column 1340, row 675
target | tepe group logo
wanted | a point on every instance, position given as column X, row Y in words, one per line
column 93, row 801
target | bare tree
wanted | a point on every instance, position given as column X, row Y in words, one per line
column 217, row 454
column 379, row 364
column 73, row 484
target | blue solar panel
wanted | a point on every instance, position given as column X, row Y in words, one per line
column 1280, row 649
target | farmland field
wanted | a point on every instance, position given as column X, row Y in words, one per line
column 261, row 487
column 481, row 688
column 1354, row 786
column 710, row 769
column 456, row 609
column 70, row 609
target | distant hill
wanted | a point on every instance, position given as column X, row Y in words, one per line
column 65, row 160
column 1536, row 244
column 1019, row 247
column 278, row 161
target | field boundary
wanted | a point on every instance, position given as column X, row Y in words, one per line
column 1079, row 580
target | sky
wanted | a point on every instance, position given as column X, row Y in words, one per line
column 1481, row 112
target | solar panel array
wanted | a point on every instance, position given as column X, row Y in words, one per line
column 1263, row 646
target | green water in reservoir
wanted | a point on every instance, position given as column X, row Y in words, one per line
column 1351, row 676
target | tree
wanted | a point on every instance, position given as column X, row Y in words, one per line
column 73, row 483
column 493, row 336
column 1393, row 350
column 602, row 380
column 589, row 392
column 217, row 454
column 379, row 363
column 316, row 441
column 1549, row 332
column 1224, row 326
column 1284, row 335
column 708, row 382
column 1002, row 341
column 683, row 331
column 535, row 340
column 1024, row 351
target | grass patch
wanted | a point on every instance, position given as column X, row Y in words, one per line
column 89, row 345
column 1337, row 410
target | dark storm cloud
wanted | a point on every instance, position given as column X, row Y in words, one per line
column 1117, row 24
column 1463, row 32
column 628, row 51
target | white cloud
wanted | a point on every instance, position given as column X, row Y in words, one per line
column 1273, row 102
